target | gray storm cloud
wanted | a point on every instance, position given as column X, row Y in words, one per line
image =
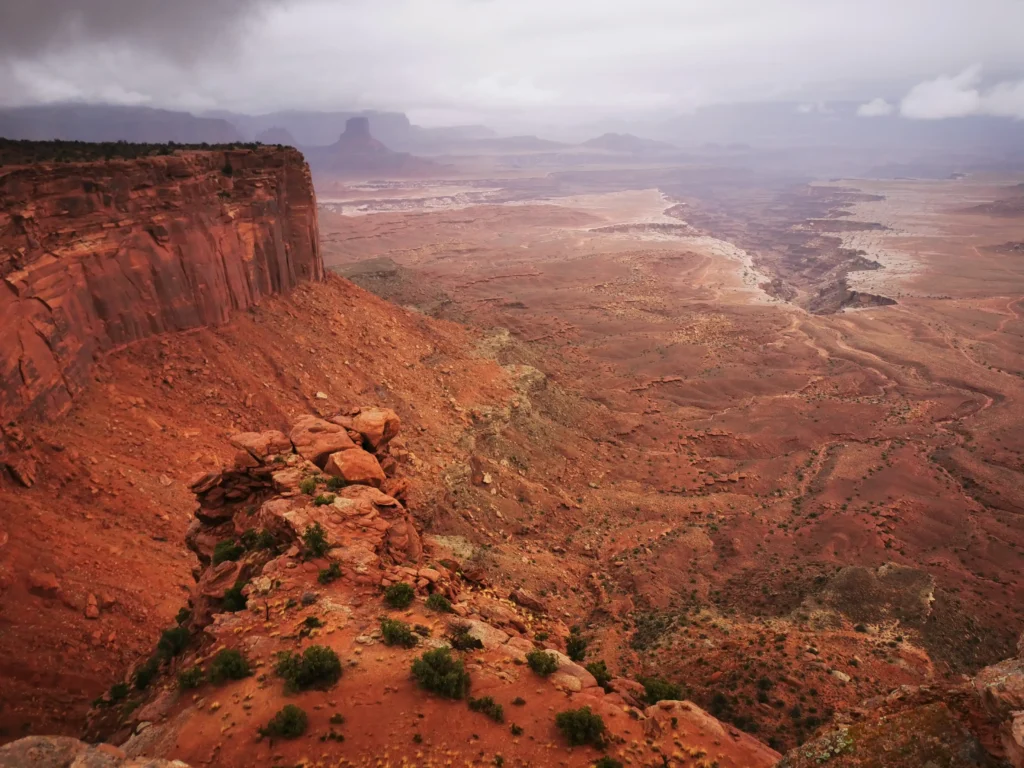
column 179, row 29
column 483, row 60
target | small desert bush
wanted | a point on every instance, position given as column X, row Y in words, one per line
column 335, row 483
column 439, row 673
column 145, row 673
column 399, row 595
column 190, row 677
column 172, row 642
column 234, row 601
column 315, row 539
column 324, row 499
column 397, row 633
column 608, row 762
column 576, row 646
column 318, row 667
column 600, row 672
column 262, row 539
column 658, row 689
column 542, row 662
column 290, row 723
column 460, row 638
column 581, row 726
column 440, row 603
column 489, row 707
column 229, row 664
column 308, row 485
column 329, row 574
column 227, row 549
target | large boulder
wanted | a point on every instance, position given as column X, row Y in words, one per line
column 377, row 426
column 316, row 439
column 1001, row 687
column 261, row 444
column 355, row 466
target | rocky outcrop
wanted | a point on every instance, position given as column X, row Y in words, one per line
column 254, row 517
column 64, row 752
column 94, row 256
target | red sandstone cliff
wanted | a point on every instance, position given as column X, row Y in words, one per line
column 96, row 255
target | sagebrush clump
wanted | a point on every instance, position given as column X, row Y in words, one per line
column 397, row 632
column 489, row 707
column 438, row 672
column 542, row 662
column 318, row 667
column 229, row 664
column 581, row 726
column 440, row 603
column 399, row 595
column 289, row 723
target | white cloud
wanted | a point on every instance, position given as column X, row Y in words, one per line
column 944, row 97
column 875, row 108
column 962, row 95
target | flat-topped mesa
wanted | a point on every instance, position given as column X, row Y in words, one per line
column 358, row 128
column 96, row 255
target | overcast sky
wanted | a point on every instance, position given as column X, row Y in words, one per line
column 445, row 61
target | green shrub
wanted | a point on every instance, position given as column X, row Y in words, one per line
column 576, row 647
column 658, row 689
column 397, row 633
column 440, row 603
column 315, row 539
column 227, row 549
column 438, row 672
column 262, row 539
column 516, row 730
column 399, row 595
column 229, row 664
column 119, row 692
column 519, row 701
column 318, row 667
column 489, row 707
column 542, row 662
column 335, row 483
column 308, row 485
column 600, row 672
column 144, row 674
column 324, row 499
column 581, row 726
column 329, row 574
column 184, row 614
column 460, row 638
column 234, row 601
column 608, row 762
column 290, row 723
column 190, row 677
column 172, row 642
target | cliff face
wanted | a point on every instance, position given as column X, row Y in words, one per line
column 97, row 255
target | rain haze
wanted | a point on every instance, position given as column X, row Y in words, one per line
column 530, row 61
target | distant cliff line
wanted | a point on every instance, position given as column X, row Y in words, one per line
column 96, row 255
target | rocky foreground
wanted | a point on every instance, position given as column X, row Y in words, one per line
column 317, row 605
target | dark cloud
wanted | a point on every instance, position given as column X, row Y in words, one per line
column 178, row 29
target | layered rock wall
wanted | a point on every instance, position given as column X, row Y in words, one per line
column 94, row 256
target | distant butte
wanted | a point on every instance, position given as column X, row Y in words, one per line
column 358, row 154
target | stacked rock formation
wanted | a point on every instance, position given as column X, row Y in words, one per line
column 336, row 474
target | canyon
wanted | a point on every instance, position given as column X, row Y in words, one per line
column 753, row 442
